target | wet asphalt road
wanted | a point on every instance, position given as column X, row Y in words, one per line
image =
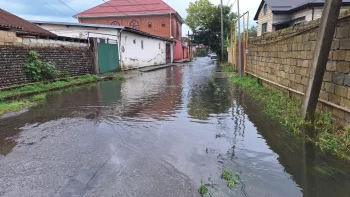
column 159, row 134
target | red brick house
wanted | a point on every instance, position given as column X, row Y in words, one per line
column 152, row 16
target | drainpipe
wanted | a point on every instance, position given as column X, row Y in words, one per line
column 313, row 13
column 120, row 52
column 171, row 27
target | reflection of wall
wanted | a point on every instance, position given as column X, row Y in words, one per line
column 155, row 94
column 300, row 158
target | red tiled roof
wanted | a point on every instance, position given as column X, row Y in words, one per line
column 125, row 7
column 9, row 20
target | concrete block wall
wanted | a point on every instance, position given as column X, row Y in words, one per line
column 72, row 57
column 285, row 57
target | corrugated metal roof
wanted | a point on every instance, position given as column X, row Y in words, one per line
column 290, row 5
column 12, row 21
column 128, row 7
column 77, row 24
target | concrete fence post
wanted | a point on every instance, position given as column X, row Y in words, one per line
column 323, row 46
column 94, row 48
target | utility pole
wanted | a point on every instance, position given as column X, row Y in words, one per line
column 222, row 34
column 239, row 42
column 323, row 46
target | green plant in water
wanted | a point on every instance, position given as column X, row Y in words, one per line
column 232, row 179
column 203, row 190
column 286, row 110
column 212, row 81
column 36, row 69
column 38, row 97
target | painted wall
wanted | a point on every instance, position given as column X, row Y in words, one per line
column 133, row 56
column 156, row 21
column 139, row 51
column 265, row 18
column 178, row 50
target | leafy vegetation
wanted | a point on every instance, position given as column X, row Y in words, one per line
column 228, row 69
column 232, row 179
column 203, row 190
column 37, row 70
column 204, row 19
column 43, row 87
column 329, row 137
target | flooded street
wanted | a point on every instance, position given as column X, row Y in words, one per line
column 160, row 134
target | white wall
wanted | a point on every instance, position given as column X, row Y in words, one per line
column 133, row 56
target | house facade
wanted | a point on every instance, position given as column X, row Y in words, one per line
column 274, row 15
column 135, row 49
column 151, row 16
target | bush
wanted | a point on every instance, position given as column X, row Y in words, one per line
column 38, row 70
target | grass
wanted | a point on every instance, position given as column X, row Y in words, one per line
column 328, row 136
column 212, row 81
column 45, row 86
column 232, row 179
column 21, row 104
column 229, row 69
column 115, row 75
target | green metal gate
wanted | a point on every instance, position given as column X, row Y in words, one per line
column 108, row 55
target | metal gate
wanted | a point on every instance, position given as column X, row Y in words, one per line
column 108, row 55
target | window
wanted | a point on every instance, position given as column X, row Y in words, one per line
column 115, row 23
column 141, row 44
column 265, row 9
column 163, row 23
column 134, row 41
column 264, row 28
column 159, row 45
column 134, row 24
column 149, row 24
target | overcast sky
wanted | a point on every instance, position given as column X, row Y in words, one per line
column 56, row 10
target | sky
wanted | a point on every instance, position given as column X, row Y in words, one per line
column 63, row 10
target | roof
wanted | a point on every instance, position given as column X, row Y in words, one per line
column 77, row 24
column 127, row 29
column 128, row 7
column 10, row 21
column 290, row 6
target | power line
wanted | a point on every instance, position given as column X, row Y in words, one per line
column 54, row 8
column 68, row 6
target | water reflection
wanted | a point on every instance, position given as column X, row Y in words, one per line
column 175, row 117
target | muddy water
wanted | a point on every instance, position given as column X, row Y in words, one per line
column 159, row 134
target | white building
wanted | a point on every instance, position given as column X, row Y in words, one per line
column 136, row 49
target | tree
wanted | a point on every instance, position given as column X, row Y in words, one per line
column 252, row 32
column 204, row 19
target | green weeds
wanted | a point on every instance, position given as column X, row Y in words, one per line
column 229, row 69
column 203, row 190
column 45, row 86
column 328, row 136
column 115, row 76
column 21, row 104
column 232, row 179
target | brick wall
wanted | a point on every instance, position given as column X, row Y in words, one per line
column 72, row 57
column 285, row 57
column 156, row 29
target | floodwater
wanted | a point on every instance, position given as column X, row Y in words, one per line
column 162, row 133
